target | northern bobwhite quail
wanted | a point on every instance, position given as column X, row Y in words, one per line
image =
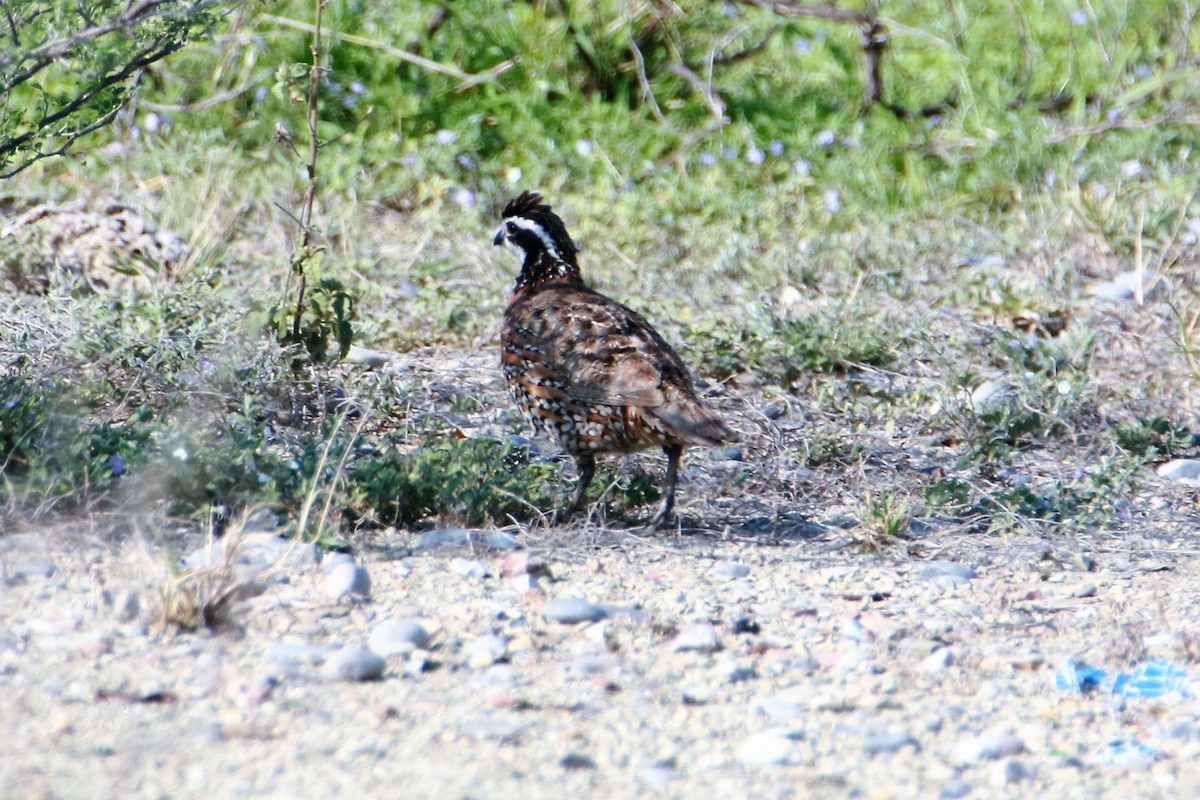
column 587, row 370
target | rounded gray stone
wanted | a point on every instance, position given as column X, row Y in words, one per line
column 698, row 639
column 32, row 568
column 485, row 651
column 573, row 610
column 354, row 664
column 946, row 573
column 398, row 636
column 730, row 570
column 347, row 579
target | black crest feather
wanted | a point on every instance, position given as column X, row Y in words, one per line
column 529, row 205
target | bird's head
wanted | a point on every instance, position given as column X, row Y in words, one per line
column 539, row 236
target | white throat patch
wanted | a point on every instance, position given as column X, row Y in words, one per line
column 537, row 230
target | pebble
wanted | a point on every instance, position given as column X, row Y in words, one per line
column 468, row 568
column 1122, row 287
column 954, row 789
column 288, row 654
column 730, row 570
column 32, row 568
column 991, row 396
column 890, row 742
column 1086, row 590
column 573, row 610
column 126, row 605
column 946, row 573
column 501, row 541
column 778, row 706
column 766, row 749
column 987, row 747
column 491, row 729
column 937, row 661
column 1011, row 771
column 574, row 761
column 774, row 410
column 332, row 561
column 398, row 637
column 1181, row 470
column 441, row 538
column 458, row 538
column 485, row 651
column 354, row 664
column 698, row 639
column 346, row 580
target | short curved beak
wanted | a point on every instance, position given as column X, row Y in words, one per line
column 499, row 240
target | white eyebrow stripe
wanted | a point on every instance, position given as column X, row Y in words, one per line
column 537, row 230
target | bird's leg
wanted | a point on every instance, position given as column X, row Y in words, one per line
column 587, row 468
column 674, row 455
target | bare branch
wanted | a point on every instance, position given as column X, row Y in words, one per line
column 395, row 52
column 644, row 83
column 715, row 104
column 1123, row 124
column 834, row 13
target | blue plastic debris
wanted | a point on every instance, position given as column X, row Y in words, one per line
column 1151, row 679
column 1075, row 677
column 1129, row 753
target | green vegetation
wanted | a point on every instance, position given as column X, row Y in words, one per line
column 864, row 249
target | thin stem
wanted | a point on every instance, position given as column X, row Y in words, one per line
column 314, row 147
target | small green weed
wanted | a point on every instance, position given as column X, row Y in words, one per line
column 833, row 339
column 1155, row 438
column 884, row 520
column 470, row 480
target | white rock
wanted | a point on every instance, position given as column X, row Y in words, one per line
column 346, row 580
column 398, row 637
column 1181, row 470
column 699, row 639
column 485, row 651
column 354, row 664
column 766, row 749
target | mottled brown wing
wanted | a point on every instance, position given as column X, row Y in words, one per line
column 605, row 352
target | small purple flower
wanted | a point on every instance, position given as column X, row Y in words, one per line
column 409, row 160
column 1112, row 115
column 776, row 148
column 260, row 92
column 801, row 167
column 9, row 405
column 1050, row 178
column 1078, row 17
column 152, row 122
column 466, row 161
column 802, row 45
column 463, row 198
column 446, row 136
column 754, row 155
column 824, row 138
column 707, row 159
column 357, row 88
column 728, row 153
column 833, row 200
column 583, row 148
column 1131, row 168
column 116, row 465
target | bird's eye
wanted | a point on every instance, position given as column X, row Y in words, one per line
column 511, row 228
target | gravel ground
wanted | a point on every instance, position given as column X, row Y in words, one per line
column 599, row 663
